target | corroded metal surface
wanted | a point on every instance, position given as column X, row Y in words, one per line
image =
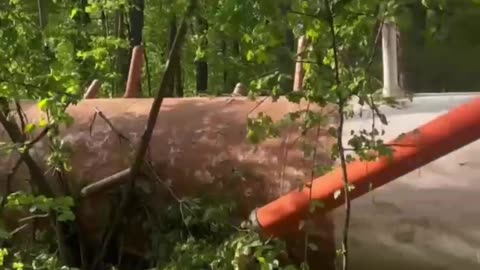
column 424, row 220
column 199, row 146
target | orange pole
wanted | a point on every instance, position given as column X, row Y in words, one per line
column 417, row 148
column 93, row 89
column 135, row 73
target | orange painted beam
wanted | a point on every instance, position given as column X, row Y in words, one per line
column 415, row 149
column 93, row 89
column 135, row 73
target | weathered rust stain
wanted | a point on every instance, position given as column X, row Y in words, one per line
column 200, row 146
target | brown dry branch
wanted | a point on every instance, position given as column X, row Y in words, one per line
column 146, row 137
column 147, row 68
column 19, row 162
column 105, row 183
column 36, row 174
column 21, row 114
column 312, row 176
column 122, row 176
column 18, row 137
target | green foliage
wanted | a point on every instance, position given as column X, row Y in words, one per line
column 37, row 257
column 60, row 206
column 209, row 240
column 244, row 41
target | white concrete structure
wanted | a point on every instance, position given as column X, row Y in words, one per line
column 428, row 219
column 391, row 86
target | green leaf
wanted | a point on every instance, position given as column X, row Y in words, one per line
column 43, row 104
column 43, row 123
column 30, row 128
column 74, row 12
column 250, row 55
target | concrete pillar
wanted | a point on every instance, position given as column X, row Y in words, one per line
column 391, row 86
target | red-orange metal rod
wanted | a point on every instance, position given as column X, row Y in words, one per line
column 417, row 148
column 93, row 89
column 135, row 73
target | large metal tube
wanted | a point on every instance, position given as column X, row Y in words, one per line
column 198, row 148
column 417, row 148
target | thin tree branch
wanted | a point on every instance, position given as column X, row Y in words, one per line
column 316, row 15
column 25, row 219
column 106, row 183
column 17, row 137
column 303, row 13
column 146, row 137
column 110, row 124
column 157, row 102
column 147, row 68
column 19, row 161
column 39, row 137
column 21, row 115
column 8, row 182
column 312, row 175
column 341, row 150
column 122, row 176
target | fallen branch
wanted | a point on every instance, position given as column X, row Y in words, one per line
column 110, row 124
column 157, row 102
column 39, row 137
column 146, row 137
column 25, row 219
column 120, row 177
column 106, row 183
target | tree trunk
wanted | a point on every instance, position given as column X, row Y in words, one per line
column 233, row 78
column 122, row 63
column 81, row 17
column 179, row 80
column 411, row 50
column 171, row 37
column 226, row 87
column 289, row 65
column 289, row 36
column 202, row 76
column 42, row 13
column 136, row 22
column 175, row 83
column 201, row 64
column 136, row 16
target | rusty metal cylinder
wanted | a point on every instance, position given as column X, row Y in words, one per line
column 135, row 73
column 93, row 89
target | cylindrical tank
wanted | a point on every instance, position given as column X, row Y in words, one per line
column 199, row 145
